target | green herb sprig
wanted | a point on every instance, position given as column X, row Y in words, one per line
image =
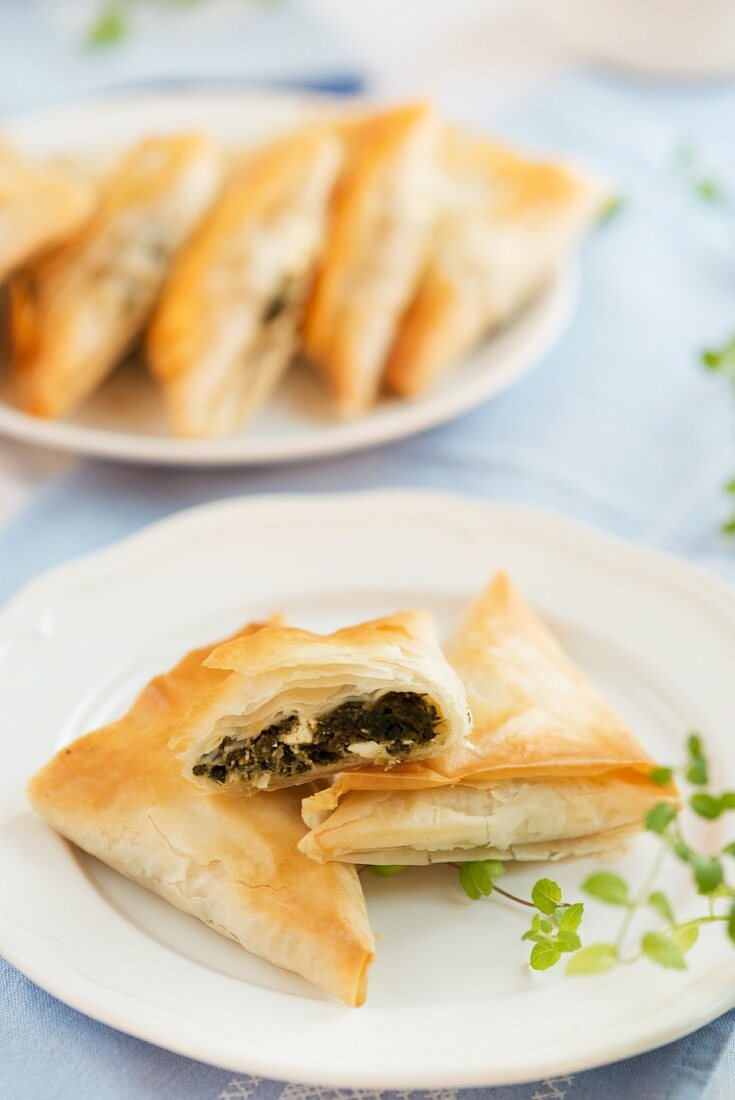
column 721, row 361
column 555, row 925
column 115, row 20
column 703, row 184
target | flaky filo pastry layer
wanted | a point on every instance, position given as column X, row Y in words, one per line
column 297, row 706
column 41, row 205
column 505, row 224
column 228, row 323
column 119, row 794
column 74, row 315
column 549, row 769
column 379, row 228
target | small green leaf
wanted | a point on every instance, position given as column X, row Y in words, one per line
column 707, row 872
column 727, row 800
column 729, row 849
column 467, row 882
column 685, row 936
column 386, row 870
column 709, row 190
column 720, row 358
column 534, row 937
column 682, row 851
column 568, row 941
column 730, row 486
column 728, row 527
column 694, row 741
column 544, row 955
column 661, row 776
column 658, row 901
column 660, row 948
column 607, row 887
column 706, row 805
column 571, row 918
column 546, row 895
column 109, row 28
column 660, row 816
column 698, row 770
column 594, row 959
column 477, row 877
column 731, row 924
column 611, row 209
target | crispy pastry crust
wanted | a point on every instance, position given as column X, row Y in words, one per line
column 380, row 223
column 535, row 718
column 40, row 206
column 119, row 794
column 506, row 223
column 216, row 345
column 77, row 313
column 282, row 669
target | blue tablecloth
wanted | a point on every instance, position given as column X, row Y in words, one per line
column 619, row 426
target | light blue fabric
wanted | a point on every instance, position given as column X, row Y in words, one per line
column 619, row 427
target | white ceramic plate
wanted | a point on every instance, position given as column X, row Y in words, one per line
column 124, row 420
column 451, row 1001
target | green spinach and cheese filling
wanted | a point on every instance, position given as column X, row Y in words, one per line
column 380, row 731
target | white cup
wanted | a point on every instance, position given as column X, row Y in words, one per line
column 660, row 38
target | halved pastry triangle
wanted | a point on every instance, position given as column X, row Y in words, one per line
column 75, row 315
column 40, row 206
column 297, row 706
column 228, row 323
column 506, row 221
column 233, row 863
column 378, row 235
column 550, row 770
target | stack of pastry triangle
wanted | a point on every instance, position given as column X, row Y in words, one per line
column 77, row 312
column 227, row 324
column 550, row 770
column 505, row 222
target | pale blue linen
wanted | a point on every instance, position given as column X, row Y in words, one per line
column 619, row 427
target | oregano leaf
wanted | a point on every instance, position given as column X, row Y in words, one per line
column 469, row 883
column 568, row 941
column 607, row 887
column 534, row 937
column 706, row 805
column 659, row 817
column 571, row 918
column 386, row 870
column 661, row 904
column 708, row 873
column 544, row 955
column 546, row 895
column 685, row 936
column 594, row 959
column 661, row 776
column 660, row 948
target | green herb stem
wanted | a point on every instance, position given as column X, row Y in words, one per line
column 639, row 901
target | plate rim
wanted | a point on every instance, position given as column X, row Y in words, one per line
column 557, row 306
column 86, row 998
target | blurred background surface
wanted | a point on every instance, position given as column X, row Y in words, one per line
column 621, row 426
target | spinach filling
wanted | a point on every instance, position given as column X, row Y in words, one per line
column 397, row 721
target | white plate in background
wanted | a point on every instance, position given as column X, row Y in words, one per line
column 451, row 1000
column 124, row 419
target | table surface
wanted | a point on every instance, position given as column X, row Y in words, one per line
column 620, row 426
